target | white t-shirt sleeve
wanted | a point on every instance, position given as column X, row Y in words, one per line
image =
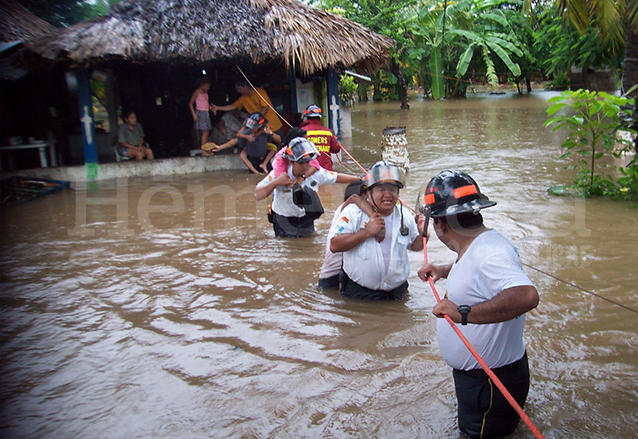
column 502, row 270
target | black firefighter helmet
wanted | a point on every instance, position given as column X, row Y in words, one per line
column 452, row 193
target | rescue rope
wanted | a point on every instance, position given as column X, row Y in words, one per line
column 484, row 365
column 261, row 96
column 571, row 284
column 409, row 207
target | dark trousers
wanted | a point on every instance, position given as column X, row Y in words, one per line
column 329, row 283
column 483, row 410
column 350, row 288
column 292, row 227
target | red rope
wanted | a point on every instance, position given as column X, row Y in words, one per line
column 484, row 365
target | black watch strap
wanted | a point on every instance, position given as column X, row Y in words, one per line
column 464, row 310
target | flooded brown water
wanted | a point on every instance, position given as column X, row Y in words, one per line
column 165, row 308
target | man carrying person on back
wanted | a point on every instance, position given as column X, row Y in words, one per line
column 377, row 269
column 323, row 138
column 488, row 294
column 296, row 206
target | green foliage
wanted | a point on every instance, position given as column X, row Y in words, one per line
column 560, row 81
column 68, row 12
column 347, row 89
column 458, row 31
column 386, row 17
column 436, row 70
column 592, row 123
column 566, row 47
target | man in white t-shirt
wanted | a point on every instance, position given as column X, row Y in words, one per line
column 488, row 294
column 376, row 270
column 295, row 206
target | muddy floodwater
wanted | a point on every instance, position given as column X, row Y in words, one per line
column 166, row 308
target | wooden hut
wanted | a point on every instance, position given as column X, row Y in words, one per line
column 25, row 93
column 150, row 53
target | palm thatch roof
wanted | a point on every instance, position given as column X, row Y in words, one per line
column 19, row 27
column 198, row 31
column 17, row 23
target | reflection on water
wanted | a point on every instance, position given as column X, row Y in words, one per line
column 165, row 308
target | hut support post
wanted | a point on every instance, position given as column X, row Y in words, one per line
column 333, row 103
column 292, row 81
column 87, row 122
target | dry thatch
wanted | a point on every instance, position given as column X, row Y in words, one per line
column 19, row 27
column 17, row 23
column 195, row 31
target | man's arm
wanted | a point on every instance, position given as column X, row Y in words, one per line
column 417, row 244
column 509, row 304
column 347, row 178
column 263, row 190
column 436, row 272
column 229, row 107
column 348, row 241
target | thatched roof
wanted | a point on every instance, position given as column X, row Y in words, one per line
column 197, row 31
column 19, row 27
column 17, row 23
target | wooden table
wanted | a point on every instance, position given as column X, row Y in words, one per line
column 42, row 147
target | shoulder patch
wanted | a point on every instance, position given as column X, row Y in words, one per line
column 344, row 219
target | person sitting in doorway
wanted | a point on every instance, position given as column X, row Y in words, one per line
column 224, row 133
column 257, row 144
column 131, row 139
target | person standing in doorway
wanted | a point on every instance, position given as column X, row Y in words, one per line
column 488, row 294
column 254, row 100
column 199, row 107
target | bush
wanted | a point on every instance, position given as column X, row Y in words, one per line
column 592, row 125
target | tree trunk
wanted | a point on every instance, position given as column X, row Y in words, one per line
column 528, row 82
column 630, row 74
column 403, row 88
column 630, row 66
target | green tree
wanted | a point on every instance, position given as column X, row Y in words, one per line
column 456, row 31
column 389, row 18
column 62, row 13
column 617, row 21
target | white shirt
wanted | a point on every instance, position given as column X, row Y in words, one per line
column 282, row 203
column 332, row 261
column 490, row 265
column 365, row 263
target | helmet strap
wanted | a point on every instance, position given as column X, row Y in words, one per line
column 404, row 229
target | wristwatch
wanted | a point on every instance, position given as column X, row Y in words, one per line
column 464, row 310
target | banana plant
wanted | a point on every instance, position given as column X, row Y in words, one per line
column 489, row 34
